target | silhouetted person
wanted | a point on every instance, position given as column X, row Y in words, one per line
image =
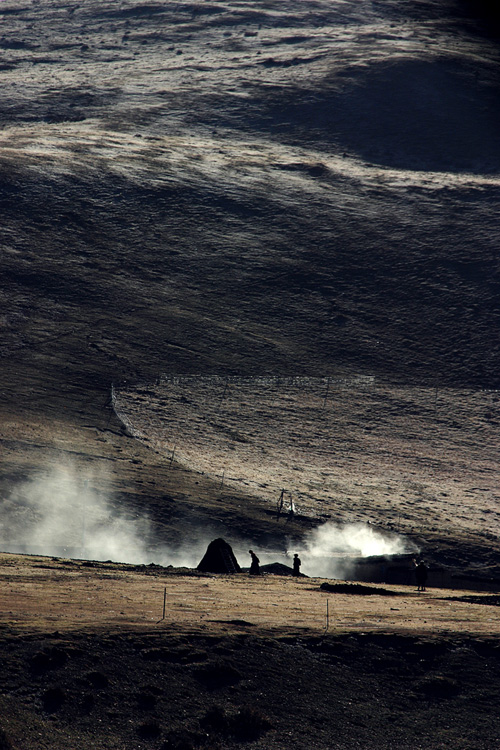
column 296, row 565
column 421, row 571
column 255, row 566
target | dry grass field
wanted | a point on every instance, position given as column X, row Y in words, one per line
column 103, row 655
column 44, row 593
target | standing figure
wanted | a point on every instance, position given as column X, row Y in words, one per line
column 421, row 575
column 296, row 565
column 254, row 567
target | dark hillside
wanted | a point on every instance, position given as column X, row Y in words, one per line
column 486, row 11
column 237, row 189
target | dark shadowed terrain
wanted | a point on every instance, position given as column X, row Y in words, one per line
column 276, row 190
column 241, row 662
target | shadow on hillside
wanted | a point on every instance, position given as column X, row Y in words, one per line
column 412, row 114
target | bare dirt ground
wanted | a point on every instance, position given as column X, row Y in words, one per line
column 253, row 189
column 91, row 656
column 38, row 592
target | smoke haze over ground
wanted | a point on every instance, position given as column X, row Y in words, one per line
column 327, row 548
column 69, row 512
column 62, row 513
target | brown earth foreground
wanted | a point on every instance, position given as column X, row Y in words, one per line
column 41, row 593
column 89, row 661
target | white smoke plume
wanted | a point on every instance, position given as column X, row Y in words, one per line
column 327, row 549
column 68, row 512
column 63, row 513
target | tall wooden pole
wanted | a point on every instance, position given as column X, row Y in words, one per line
column 327, row 390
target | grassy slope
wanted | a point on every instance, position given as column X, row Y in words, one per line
column 158, row 223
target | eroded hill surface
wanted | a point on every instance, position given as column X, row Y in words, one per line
column 242, row 188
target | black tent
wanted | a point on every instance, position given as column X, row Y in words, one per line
column 219, row 558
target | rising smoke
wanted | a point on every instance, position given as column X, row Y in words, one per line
column 66, row 512
column 69, row 512
column 62, row 512
column 327, row 551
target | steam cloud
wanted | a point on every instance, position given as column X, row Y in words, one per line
column 68, row 512
column 63, row 513
column 60, row 513
column 327, row 548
